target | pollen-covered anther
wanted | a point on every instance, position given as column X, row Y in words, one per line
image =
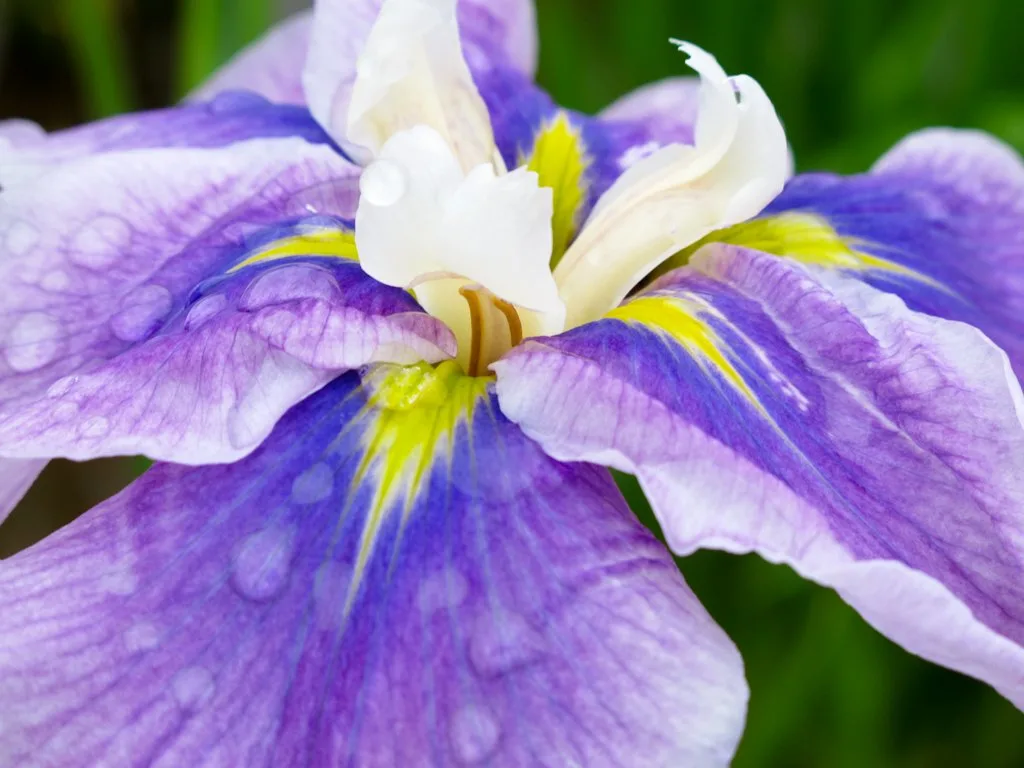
column 495, row 327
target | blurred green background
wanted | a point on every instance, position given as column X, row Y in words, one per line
column 848, row 78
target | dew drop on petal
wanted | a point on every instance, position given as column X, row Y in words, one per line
column 382, row 183
column 263, row 562
column 65, row 411
column 142, row 313
column 445, row 589
column 55, row 280
column 192, row 687
column 33, row 342
column 100, row 242
column 119, row 582
column 204, row 309
column 232, row 101
column 474, row 735
column 288, row 283
column 96, row 427
column 61, row 386
column 20, row 238
column 501, row 644
column 142, row 636
column 313, row 485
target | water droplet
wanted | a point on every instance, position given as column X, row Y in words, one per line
column 142, row 312
column 445, row 589
column 143, row 636
column 474, row 735
column 119, row 582
column 55, row 280
column 100, row 242
column 288, row 283
column 382, row 183
column 96, row 427
column 61, row 386
column 636, row 153
column 502, row 644
column 193, row 687
column 204, row 309
column 65, row 411
column 21, row 237
column 313, row 485
column 33, row 342
column 263, row 562
column 233, row 101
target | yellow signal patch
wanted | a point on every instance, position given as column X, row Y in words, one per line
column 330, row 243
column 560, row 159
column 414, row 413
column 803, row 237
column 680, row 319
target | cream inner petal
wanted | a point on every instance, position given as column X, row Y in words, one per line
column 679, row 194
column 412, row 72
column 421, row 219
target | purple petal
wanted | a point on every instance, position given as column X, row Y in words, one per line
column 667, row 110
column 271, row 66
column 25, row 149
column 341, row 599
column 496, row 34
column 16, row 477
column 823, row 424
column 945, row 209
column 125, row 331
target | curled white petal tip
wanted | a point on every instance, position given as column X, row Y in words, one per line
column 679, row 194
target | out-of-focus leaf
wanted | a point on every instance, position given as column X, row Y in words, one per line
column 97, row 42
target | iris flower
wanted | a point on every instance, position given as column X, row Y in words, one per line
column 386, row 320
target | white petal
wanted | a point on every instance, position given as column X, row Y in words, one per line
column 420, row 219
column 410, row 71
column 499, row 235
column 679, row 194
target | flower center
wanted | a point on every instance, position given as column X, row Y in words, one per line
column 440, row 215
column 474, row 247
column 495, row 327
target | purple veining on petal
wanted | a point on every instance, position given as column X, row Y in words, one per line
column 513, row 618
column 227, row 118
column 947, row 205
column 837, row 431
column 142, row 312
column 125, row 294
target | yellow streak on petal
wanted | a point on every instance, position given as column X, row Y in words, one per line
column 803, row 237
column 680, row 318
column 416, row 412
column 331, row 243
column 560, row 160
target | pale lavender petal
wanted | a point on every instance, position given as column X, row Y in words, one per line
column 816, row 421
column 124, row 330
column 943, row 215
column 668, row 109
column 289, row 609
column 16, row 477
column 26, row 150
column 271, row 66
column 496, row 35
